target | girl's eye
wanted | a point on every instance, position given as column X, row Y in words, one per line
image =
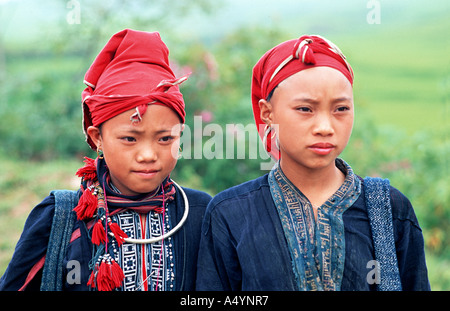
column 166, row 139
column 342, row 109
column 304, row 109
column 128, row 139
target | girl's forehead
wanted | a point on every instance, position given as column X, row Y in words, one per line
column 157, row 118
column 316, row 82
column 317, row 75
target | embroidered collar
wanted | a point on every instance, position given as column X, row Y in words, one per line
column 317, row 248
column 98, row 202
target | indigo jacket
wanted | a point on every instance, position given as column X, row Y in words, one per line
column 243, row 245
column 25, row 269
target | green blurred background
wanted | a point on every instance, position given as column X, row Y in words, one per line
column 400, row 55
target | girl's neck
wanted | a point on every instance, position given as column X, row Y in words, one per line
column 318, row 185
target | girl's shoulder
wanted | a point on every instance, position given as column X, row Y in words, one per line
column 39, row 222
column 41, row 215
column 401, row 206
column 32, row 245
column 197, row 197
column 244, row 191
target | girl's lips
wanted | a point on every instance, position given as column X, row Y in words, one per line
column 146, row 173
column 322, row 148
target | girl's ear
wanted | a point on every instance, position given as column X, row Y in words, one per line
column 265, row 109
column 96, row 136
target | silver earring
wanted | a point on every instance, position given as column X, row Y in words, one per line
column 267, row 130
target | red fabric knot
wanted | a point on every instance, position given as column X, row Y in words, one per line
column 160, row 92
column 303, row 51
column 137, row 116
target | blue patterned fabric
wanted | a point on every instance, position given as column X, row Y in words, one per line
column 317, row 247
column 62, row 226
column 377, row 194
column 149, row 266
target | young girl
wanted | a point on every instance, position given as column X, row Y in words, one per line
column 311, row 223
column 129, row 227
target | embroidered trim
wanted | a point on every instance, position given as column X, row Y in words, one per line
column 149, row 266
column 317, row 248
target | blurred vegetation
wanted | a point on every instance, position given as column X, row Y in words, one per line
column 402, row 98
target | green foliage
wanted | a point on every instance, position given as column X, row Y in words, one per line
column 417, row 165
column 23, row 184
column 40, row 110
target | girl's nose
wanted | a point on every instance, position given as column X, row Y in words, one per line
column 323, row 125
column 147, row 153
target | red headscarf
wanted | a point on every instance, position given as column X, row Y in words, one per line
column 131, row 71
column 286, row 59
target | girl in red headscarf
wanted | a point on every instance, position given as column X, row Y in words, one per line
column 130, row 226
column 311, row 223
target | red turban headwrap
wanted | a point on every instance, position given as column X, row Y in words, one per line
column 131, row 71
column 286, row 59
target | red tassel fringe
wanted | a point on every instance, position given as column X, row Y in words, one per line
column 88, row 171
column 107, row 276
column 98, row 233
column 117, row 273
column 118, row 233
column 104, row 278
column 91, row 283
column 87, row 205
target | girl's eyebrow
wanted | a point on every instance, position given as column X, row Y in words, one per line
column 342, row 99
column 138, row 131
column 132, row 130
column 306, row 100
column 315, row 101
column 163, row 131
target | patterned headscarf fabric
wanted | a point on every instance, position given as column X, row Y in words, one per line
column 286, row 59
column 131, row 71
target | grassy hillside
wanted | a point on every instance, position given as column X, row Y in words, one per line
column 404, row 81
column 23, row 184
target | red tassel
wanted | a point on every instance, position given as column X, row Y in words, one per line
column 107, row 276
column 87, row 205
column 91, row 281
column 117, row 274
column 88, row 171
column 118, row 233
column 98, row 233
column 104, row 279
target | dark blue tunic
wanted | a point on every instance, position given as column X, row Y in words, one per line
column 33, row 242
column 243, row 245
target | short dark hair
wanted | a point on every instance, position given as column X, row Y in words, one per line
column 269, row 97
